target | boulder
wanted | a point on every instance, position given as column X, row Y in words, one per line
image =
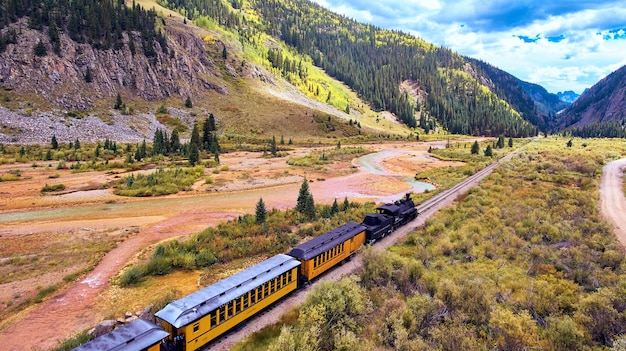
column 105, row 327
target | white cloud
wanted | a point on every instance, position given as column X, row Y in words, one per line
column 489, row 30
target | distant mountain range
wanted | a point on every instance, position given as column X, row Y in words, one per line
column 568, row 97
column 602, row 106
column 61, row 55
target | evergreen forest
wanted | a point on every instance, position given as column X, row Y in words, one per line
column 373, row 62
column 98, row 23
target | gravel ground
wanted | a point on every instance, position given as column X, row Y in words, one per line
column 38, row 128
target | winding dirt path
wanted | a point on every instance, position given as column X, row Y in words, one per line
column 612, row 200
column 57, row 318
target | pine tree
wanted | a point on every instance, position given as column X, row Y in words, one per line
column 500, row 143
column 194, row 154
column 303, row 196
column 261, row 212
column 207, row 135
column 334, row 209
column 175, row 142
column 138, row 154
column 510, row 142
column 88, row 78
column 488, row 151
column 212, row 125
column 158, row 143
column 188, row 103
column 40, row 49
column 143, row 149
column 570, row 143
column 309, row 208
column 346, row 204
column 119, row 104
column 55, row 144
column 76, row 144
column 475, row 148
column 195, row 137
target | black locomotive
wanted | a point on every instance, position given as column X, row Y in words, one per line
column 389, row 217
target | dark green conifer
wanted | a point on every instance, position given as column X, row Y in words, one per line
column 261, row 212
column 302, row 196
column 475, row 148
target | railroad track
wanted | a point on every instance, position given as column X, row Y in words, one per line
column 425, row 210
column 454, row 191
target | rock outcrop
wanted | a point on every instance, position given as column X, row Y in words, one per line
column 182, row 69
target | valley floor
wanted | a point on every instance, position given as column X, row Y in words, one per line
column 85, row 211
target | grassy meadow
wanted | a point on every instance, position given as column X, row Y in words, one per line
column 524, row 261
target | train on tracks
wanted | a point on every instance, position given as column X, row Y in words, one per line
column 195, row 320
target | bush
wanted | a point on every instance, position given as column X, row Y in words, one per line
column 52, row 188
column 74, row 342
column 160, row 182
column 159, row 265
column 205, row 258
column 132, row 276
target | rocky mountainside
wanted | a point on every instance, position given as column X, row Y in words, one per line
column 183, row 70
column 532, row 101
column 604, row 102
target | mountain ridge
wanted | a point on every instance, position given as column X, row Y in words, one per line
column 603, row 103
column 254, row 48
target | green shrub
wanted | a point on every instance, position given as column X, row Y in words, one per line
column 160, row 182
column 51, row 188
column 205, row 258
column 73, row 342
column 132, row 276
column 159, row 265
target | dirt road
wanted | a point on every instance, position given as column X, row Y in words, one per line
column 612, row 200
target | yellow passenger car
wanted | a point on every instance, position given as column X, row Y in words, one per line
column 140, row 335
column 327, row 250
column 199, row 318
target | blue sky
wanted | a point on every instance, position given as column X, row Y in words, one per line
column 560, row 45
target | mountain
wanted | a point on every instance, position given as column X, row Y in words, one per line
column 532, row 101
column 568, row 96
column 602, row 106
column 243, row 60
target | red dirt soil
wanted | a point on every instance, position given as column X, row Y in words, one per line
column 236, row 191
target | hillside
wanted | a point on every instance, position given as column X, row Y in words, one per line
column 533, row 102
column 600, row 110
column 243, row 61
column 72, row 93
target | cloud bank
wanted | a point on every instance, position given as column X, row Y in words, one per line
column 561, row 45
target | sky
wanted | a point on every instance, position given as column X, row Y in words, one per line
column 560, row 45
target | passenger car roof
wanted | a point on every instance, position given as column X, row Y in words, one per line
column 136, row 335
column 324, row 242
column 192, row 307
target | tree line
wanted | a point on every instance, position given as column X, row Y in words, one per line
column 98, row 23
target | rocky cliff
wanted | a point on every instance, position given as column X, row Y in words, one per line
column 184, row 68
